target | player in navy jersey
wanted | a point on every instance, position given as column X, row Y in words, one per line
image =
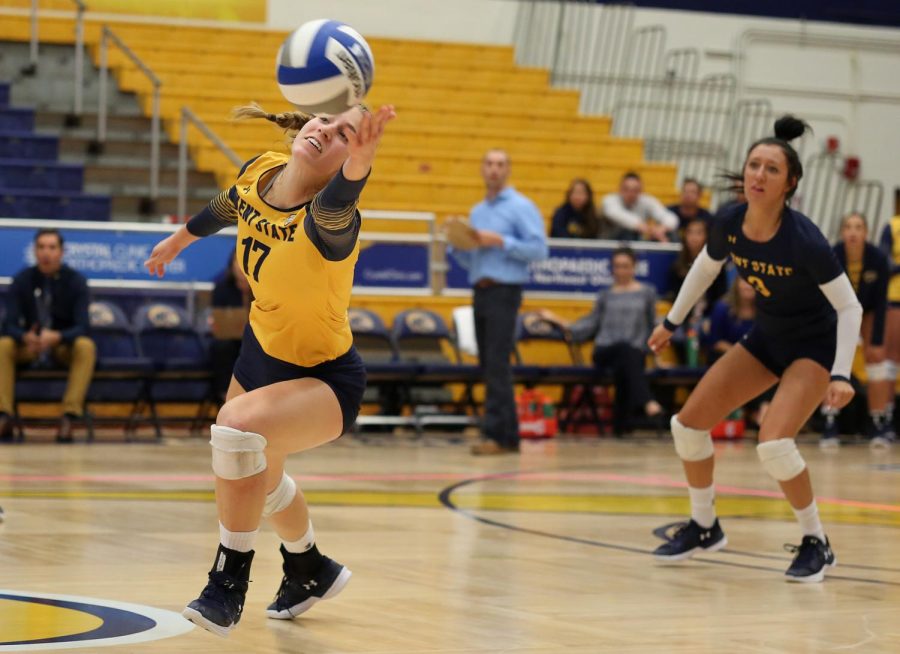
column 807, row 324
column 869, row 271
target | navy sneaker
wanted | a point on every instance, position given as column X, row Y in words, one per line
column 689, row 539
column 811, row 558
column 219, row 607
column 308, row 578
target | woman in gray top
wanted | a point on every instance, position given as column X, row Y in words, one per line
column 620, row 322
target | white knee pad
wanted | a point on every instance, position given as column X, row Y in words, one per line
column 280, row 498
column 877, row 372
column 236, row 454
column 890, row 369
column 691, row 444
column 781, row 458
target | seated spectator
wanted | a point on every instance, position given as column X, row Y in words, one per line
column 231, row 299
column 636, row 214
column 693, row 239
column 620, row 323
column 577, row 217
column 688, row 207
column 47, row 322
column 730, row 319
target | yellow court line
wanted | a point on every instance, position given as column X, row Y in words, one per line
column 729, row 506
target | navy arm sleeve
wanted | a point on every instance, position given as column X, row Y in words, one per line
column 336, row 222
column 220, row 213
column 216, row 216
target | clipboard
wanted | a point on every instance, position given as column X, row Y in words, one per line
column 461, row 235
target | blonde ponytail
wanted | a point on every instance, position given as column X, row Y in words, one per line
column 290, row 121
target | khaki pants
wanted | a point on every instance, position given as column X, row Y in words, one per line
column 79, row 357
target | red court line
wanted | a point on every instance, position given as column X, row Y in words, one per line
column 654, row 481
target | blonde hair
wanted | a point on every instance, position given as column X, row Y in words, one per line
column 290, row 121
column 733, row 297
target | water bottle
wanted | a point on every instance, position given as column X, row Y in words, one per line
column 692, row 348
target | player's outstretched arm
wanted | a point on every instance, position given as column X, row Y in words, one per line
column 167, row 249
column 364, row 142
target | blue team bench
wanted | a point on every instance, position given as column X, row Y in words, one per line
column 41, row 175
column 16, row 119
column 62, row 205
column 155, row 356
column 23, row 145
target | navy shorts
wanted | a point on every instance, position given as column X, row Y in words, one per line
column 346, row 375
column 777, row 353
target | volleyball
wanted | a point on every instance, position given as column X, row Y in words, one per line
column 325, row 66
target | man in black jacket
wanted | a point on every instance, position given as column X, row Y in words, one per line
column 47, row 321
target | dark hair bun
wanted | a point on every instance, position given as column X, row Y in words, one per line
column 787, row 128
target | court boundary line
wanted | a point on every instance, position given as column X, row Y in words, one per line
column 445, row 498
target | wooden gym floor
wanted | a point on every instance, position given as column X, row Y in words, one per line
column 546, row 552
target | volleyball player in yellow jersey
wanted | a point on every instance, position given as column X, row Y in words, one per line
column 890, row 244
column 298, row 381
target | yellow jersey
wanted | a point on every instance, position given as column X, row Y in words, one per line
column 890, row 243
column 301, row 297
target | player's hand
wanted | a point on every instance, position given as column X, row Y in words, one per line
column 162, row 255
column 839, row 394
column 363, row 143
column 659, row 339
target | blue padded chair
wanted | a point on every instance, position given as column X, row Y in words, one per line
column 423, row 337
column 122, row 374
column 180, row 360
column 388, row 379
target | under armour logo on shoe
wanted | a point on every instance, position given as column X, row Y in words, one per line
column 309, row 585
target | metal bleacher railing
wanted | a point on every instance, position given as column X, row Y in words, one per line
column 107, row 36
column 189, row 118
column 703, row 124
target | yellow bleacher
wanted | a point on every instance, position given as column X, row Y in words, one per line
column 454, row 101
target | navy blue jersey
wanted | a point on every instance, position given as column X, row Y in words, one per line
column 786, row 271
column 872, row 286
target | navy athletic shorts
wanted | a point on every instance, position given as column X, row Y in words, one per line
column 777, row 353
column 346, row 375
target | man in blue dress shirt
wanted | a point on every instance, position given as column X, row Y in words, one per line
column 510, row 232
